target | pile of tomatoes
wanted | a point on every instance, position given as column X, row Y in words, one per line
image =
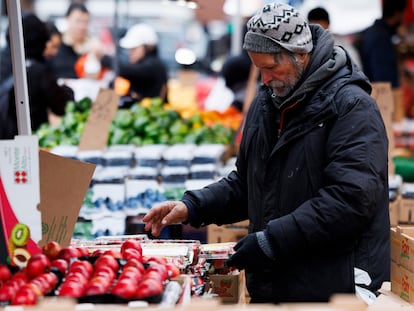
column 104, row 275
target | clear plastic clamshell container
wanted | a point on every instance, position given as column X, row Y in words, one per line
column 110, row 242
column 217, row 250
column 216, row 254
column 186, row 250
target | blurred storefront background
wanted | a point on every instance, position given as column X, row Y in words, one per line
column 210, row 29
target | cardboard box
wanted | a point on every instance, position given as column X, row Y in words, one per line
column 230, row 288
column 395, row 278
column 395, row 244
column 402, row 246
column 402, row 282
column 406, row 258
column 406, row 214
column 63, row 185
column 394, row 208
column 226, row 233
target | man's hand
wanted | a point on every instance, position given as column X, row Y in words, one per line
column 249, row 255
column 163, row 214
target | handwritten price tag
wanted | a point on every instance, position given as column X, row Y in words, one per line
column 96, row 132
column 382, row 93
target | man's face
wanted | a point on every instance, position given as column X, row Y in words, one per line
column 78, row 23
column 279, row 71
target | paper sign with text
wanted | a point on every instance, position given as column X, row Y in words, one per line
column 19, row 199
column 96, row 132
column 382, row 93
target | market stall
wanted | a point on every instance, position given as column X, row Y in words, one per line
column 146, row 154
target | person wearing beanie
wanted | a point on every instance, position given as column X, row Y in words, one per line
column 311, row 173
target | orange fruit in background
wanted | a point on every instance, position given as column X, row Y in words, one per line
column 121, row 86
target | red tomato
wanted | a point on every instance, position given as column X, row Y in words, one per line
column 106, row 272
column 135, row 263
column 131, row 273
column 60, row 264
column 25, row 296
column 133, row 244
column 51, row 249
column 69, row 253
column 83, row 252
column 37, row 264
column 5, row 273
column 7, row 292
column 112, row 253
column 108, row 261
column 124, row 288
column 161, row 270
column 148, row 287
column 96, row 288
column 131, row 253
column 76, row 277
column 71, row 289
column 83, row 267
column 173, row 270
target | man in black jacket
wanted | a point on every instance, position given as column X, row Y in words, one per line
column 377, row 45
column 312, row 174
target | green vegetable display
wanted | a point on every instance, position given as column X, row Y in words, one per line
column 138, row 125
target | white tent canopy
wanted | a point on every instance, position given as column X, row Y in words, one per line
column 346, row 16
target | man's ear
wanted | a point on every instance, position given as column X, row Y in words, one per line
column 301, row 58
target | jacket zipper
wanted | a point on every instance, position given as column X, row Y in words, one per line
column 282, row 116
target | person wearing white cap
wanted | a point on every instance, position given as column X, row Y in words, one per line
column 311, row 173
column 145, row 71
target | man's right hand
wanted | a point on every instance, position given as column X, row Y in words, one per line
column 164, row 214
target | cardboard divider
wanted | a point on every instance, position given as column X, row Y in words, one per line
column 63, row 185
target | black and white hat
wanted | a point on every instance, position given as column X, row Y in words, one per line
column 278, row 26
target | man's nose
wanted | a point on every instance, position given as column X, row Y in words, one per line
column 266, row 77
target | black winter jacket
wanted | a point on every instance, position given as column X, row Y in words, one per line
column 313, row 175
column 44, row 95
column 148, row 77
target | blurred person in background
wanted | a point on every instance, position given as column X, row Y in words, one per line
column 311, row 173
column 377, row 45
column 235, row 72
column 44, row 93
column 407, row 88
column 80, row 54
column 320, row 16
column 145, row 73
column 54, row 42
column 27, row 7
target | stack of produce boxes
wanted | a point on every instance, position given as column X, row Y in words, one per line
column 402, row 262
column 129, row 180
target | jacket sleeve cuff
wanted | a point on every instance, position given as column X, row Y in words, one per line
column 264, row 244
column 193, row 218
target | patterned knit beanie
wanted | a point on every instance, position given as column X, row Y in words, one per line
column 278, row 26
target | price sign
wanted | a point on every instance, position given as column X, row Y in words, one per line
column 96, row 132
